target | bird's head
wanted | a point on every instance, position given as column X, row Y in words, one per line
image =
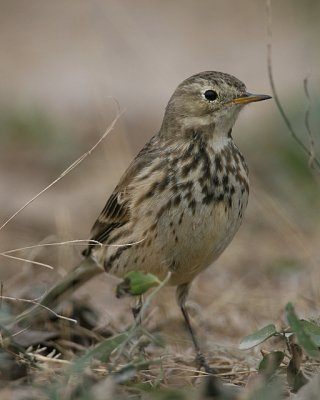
column 209, row 98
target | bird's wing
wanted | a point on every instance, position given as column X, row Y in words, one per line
column 117, row 211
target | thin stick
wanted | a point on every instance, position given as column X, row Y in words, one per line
column 307, row 122
column 40, row 357
column 65, row 172
column 26, row 260
column 36, row 303
column 1, row 293
column 138, row 320
column 75, row 241
column 274, row 92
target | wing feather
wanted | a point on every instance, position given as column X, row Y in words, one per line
column 117, row 210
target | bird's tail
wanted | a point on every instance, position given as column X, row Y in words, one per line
column 86, row 270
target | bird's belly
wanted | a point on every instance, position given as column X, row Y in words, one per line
column 185, row 239
column 203, row 236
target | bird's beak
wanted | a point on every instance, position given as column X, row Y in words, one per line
column 250, row 98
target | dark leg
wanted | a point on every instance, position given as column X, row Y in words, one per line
column 137, row 308
column 182, row 292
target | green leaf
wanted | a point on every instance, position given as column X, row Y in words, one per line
column 270, row 363
column 313, row 330
column 130, row 370
column 303, row 337
column 136, row 283
column 258, row 337
column 101, row 351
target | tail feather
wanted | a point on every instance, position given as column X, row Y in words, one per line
column 86, row 270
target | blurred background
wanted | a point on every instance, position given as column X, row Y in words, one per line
column 64, row 68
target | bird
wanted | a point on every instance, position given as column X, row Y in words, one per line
column 182, row 199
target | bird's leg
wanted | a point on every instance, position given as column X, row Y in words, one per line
column 200, row 357
column 182, row 292
column 137, row 308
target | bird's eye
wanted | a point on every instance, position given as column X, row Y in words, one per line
column 210, row 95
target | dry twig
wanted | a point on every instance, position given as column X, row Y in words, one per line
column 66, row 171
column 37, row 304
column 307, row 122
column 310, row 153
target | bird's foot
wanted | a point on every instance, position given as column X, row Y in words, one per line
column 202, row 362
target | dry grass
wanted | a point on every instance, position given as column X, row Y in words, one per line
column 274, row 259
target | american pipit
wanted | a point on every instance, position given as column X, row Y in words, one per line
column 182, row 199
